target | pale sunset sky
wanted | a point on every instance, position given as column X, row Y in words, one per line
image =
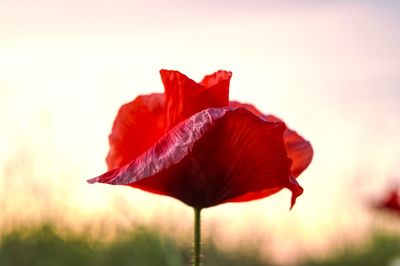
column 329, row 69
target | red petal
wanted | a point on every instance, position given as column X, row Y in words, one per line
column 138, row 125
column 391, row 202
column 185, row 97
column 220, row 79
column 216, row 156
column 296, row 189
column 298, row 149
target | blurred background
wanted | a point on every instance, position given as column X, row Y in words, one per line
column 330, row 69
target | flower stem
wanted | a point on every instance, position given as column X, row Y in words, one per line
column 197, row 237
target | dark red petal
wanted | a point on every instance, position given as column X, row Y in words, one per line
column 138, row 125
column 250, row 107
column 216, row 156
column 185, row 97
column 391, row 202
column 298, row 149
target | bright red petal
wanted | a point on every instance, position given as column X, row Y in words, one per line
column 298, row 149
column 218, row 79
column 138, row 125
column 185, row 97
column 216, row 156
column 296, row 189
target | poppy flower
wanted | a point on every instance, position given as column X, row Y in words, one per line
column 193, row 144
column 391, row 202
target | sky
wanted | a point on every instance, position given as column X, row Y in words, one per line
column 331, row 70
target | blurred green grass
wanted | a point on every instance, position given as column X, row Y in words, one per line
column 46, row 246
column 382, row 249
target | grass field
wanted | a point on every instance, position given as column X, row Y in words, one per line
column 45, row 246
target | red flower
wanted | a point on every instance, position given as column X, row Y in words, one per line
column 391, row 202
column 192, row 144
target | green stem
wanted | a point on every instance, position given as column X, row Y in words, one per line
column 197, row 237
